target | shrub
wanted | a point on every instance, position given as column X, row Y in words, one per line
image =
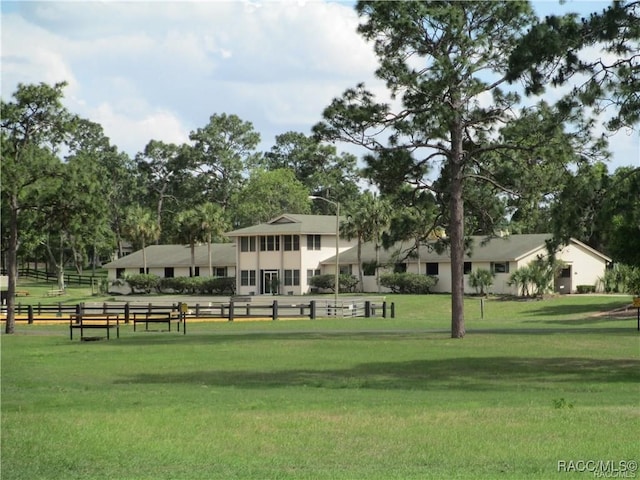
column 143, row 282
column 481, row 279
column 408, row 282
column 346, row 283
column 585, row 288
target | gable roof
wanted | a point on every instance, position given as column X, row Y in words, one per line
column 222, row 255
column 290, row 224
column 507, row 249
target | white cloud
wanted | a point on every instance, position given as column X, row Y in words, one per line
column 132, row 133
column 157, row 70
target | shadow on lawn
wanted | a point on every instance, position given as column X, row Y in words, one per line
column 553, row 310
column 490, row 373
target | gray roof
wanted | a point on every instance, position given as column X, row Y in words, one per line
column 507, row 249
column 291, row 224
column 222, row 255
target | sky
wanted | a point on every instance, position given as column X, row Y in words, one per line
column 158, row 69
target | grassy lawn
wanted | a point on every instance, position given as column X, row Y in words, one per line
column 533, row 384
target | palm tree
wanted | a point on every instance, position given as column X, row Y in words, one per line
column 357, row 226
column 376, row 213
column 212, row 224
column 141, row 228
column 190, row 231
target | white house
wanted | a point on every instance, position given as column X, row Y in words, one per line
column 280, row 256
column 502, row 256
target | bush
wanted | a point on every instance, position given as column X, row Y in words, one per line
column 347, row 283
column 408, row 282
column 143, row 282
column 586, row 288
column 481, row 279
column 199, row 285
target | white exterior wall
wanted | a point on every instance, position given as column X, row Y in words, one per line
column 586, row 267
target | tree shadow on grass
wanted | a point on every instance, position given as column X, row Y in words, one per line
column 477, row 374
column 554, row 310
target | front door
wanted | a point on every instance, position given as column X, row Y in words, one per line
column 563, row 282
column 270, row 282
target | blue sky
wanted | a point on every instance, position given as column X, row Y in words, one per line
column 158, row 70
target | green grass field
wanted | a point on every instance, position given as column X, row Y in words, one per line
column 533, row 384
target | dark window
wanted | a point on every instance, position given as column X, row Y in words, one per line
column 120, row 272
column 400, row 268
column 142, row 270
column 291, row 242
column 270, row 243
column 219, row 271
column 196, row 274
column 168, row 272
column 566, row 272
column 432, row 268
column 247, row 277
column 345, row 270
column 500, row 267
column 291, row 277
column 369, row 269
column 467, row 268
column 313, row 242
column 247, row 244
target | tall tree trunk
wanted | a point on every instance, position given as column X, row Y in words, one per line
column 12, row 265
column 209, row 254
column 360, row 279
column 456, row 207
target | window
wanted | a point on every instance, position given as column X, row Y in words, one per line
column 196, row 274
column 168, row 272
column 291, row 242
column 219, row 271
column 566, row 272
column 312, row 273
column 500, row 267
column 467, row 268
column 369, row 269
column 400, row 268
column 120, row 272
column 247, row 278
column 142, row 270
column 270, row 243
column 313, row 242
column 291, row 277
column 432, row 268
column 247, row 244
column 345, row 270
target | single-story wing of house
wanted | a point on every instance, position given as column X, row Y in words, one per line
column 280, row 256
column 501, row 255
column 175, row 261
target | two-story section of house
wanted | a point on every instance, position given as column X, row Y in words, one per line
column 280, row 256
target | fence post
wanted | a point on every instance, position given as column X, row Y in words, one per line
column 384, row 309
column 312, row 309
column 59, row 309
column 30, row 314
column 231, row 311
column 126, row 312
column 393, row 310
column 197, row 309
column 274, row 310
column 367, row 308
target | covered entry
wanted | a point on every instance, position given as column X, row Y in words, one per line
column 270, row 282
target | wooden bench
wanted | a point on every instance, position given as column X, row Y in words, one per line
column 158, row 317
column 55, row 292
column 92, row 321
